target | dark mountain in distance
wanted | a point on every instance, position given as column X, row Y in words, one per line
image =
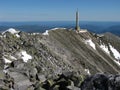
column 93, row 28
column 96, row 27
column 113, row 29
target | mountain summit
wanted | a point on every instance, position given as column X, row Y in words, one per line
column 34, row 57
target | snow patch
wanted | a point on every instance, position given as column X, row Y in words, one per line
column 54, row 28
column 17, row 35
column 62, row 28
column 105, row 48
column 115, row 52
column 117, row 62
column 6, row 60
column 100, row 35
column 33, row 33
column 46, row 32
column 82, row 31
column 11, row 57
column 90, row 42
column 87, row 71
column 25, row 56
column 11, row 30
column 5, row 70
column 4, row 36
column 57, row 28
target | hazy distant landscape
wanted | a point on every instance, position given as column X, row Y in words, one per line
column 92, row 26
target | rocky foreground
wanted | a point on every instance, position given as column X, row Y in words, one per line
column 59, row 59
column 65, row 81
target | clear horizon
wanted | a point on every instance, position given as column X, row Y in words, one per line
column 59, row 21
column 54, row 10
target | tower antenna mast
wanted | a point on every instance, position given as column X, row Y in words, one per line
column 77, row 28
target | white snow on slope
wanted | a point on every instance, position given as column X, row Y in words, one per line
column 12, row 57
column 54, row 29
column 117, row 62
column 87, row 71
column 82, row 31
column 25, row 56
column 90, row 42
column 105, row 48
column 35, row 33
column 115, row 52
column 5, row 70
column 12, row 31
column 46, row 32
column 57, row 28
column 6, row 60
column 17, row 35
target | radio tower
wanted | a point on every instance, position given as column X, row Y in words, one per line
column 77, row 28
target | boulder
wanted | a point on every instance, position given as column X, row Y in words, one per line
column 17, row 64
column 41, row 77
column 96, row 82
column 21, row 82
column 33, row 72
column 114, row 82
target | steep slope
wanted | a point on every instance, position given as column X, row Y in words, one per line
column 80, row 49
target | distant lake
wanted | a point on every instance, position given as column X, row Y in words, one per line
column 93, row 26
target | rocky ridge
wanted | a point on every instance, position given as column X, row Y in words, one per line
column 58, row 59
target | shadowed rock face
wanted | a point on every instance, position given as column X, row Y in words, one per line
column 101, row 82
column 59, row 59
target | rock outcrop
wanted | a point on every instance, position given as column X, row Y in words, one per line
column 101, row 82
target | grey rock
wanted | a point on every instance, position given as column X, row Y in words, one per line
column 1, row 83
column 114, row 82
column 101, row 82
column 17, row 64
column 97, row 82
column 42, row 78
column 2, row 74
column 73, row 88
column 33, row 72
column 21, row 82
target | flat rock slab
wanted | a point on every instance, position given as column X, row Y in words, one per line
column 20, row 80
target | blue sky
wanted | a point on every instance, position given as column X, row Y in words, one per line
column 59, row 10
